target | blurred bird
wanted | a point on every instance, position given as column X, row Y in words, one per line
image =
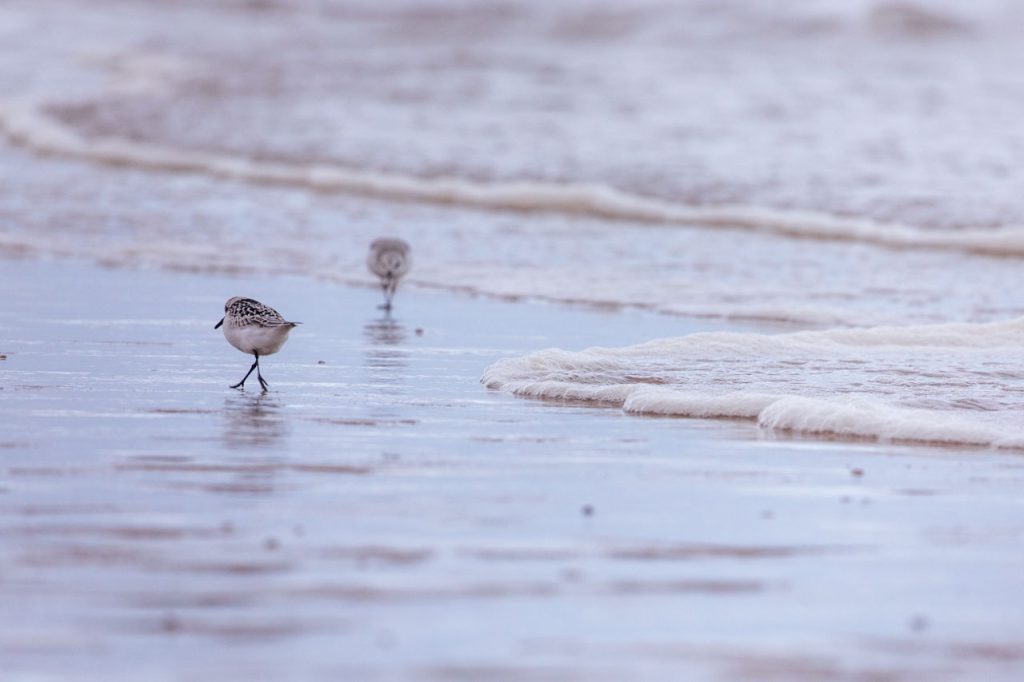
column 389, row 259
column 254, row 329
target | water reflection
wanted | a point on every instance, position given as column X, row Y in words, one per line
column 254, row 420
column 385, row 331
column 386, row 362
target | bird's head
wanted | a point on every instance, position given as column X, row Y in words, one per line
column 226, row 307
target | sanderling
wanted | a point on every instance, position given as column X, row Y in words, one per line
column 389, row 259
column 254, row 329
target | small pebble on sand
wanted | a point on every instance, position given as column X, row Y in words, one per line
column 919, row 623
column 572, row 575
column 170, row 623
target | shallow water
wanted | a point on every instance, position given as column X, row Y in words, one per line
column 184, row 221
column 384, row 516
column 645, row 156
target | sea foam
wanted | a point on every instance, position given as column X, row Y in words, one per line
column 953, row 383
column 28, row 123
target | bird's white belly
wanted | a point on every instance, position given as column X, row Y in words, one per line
column 260, row 340
column 388, row 264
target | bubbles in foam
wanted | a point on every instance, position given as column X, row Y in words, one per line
column 957, row 383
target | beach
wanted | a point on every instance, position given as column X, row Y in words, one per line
column 708, row 366
column 383, row 516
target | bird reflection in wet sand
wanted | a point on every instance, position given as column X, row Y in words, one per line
column 385, row 359
column 254, row 421
column 385, row 331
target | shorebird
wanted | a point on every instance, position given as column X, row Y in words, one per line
column 254, row 329
column 389, row 259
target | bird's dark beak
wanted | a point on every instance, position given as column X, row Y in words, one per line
column 217, row 326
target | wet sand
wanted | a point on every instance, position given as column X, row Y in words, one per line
column 381, row 515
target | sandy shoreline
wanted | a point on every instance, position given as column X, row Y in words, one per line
column 383, row 516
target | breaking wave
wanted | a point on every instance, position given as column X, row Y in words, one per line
column 956, row 383
column 28, row 124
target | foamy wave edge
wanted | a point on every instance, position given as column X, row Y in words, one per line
column 588, row 376
column 26, row 123
column 856, row 419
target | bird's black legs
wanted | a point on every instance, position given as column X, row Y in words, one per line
column 387, row 285
column 241, row 383
column 392, row 286
column 255, row 366
column 263, row 382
